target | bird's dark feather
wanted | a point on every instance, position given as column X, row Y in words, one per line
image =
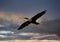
column 38, row 15
column 33, row 20
column 24, row 25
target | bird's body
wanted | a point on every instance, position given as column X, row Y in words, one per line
column 32, row 20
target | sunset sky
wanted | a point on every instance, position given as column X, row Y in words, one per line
column 31, row 7
column 12, row 13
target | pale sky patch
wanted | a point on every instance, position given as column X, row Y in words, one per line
column 6, row 32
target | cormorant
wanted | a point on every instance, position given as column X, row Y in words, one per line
column 32, row 20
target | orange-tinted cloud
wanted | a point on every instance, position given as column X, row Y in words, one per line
column 53, row 36
column 31, row 41
column 14, row 17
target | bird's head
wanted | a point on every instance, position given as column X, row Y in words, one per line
column 26, row 18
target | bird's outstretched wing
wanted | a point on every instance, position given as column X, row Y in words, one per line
column 38, row 15
column 24, row 24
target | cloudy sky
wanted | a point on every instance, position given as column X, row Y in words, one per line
column 12, row 13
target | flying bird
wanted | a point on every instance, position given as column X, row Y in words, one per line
column 32, row 20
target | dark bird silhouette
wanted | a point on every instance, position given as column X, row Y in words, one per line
column 32, row 20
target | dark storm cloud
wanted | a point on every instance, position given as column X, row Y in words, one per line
column 8, row 30
column 49, row 27
column 8, row 25
column 29, row 7
column 1, row 4
column 4, row 3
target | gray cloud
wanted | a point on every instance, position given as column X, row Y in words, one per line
column 50, row 27
column 47, row 27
